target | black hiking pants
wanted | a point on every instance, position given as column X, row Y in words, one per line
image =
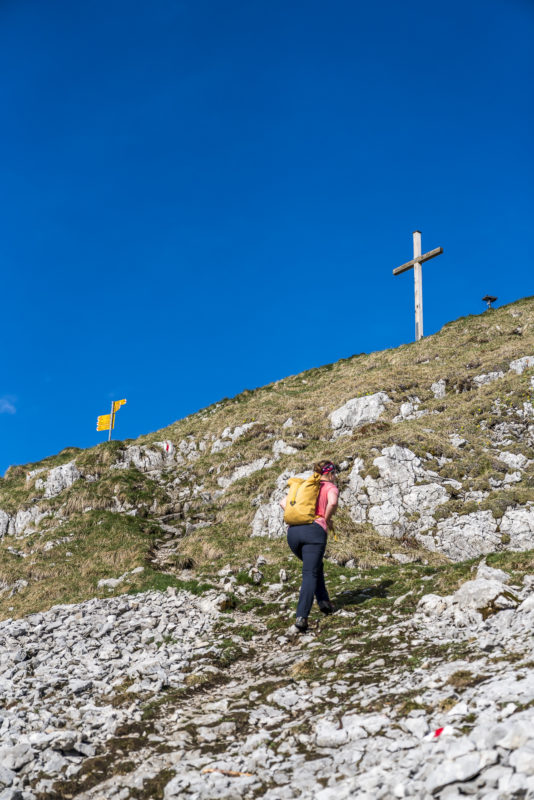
column 308, row 542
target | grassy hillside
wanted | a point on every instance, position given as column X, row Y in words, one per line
column 183, row 525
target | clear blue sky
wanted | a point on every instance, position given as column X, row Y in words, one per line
column 200, row 197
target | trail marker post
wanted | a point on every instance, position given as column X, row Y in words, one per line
column 111, row 420
column 106, row 422
column 416, row 265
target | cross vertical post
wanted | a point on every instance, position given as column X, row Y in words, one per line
column 418, row 285
column 416, row 264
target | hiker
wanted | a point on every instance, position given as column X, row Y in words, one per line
column 308, row 509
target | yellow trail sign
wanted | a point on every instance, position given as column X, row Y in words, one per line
column 102, row 422
column 106, row 422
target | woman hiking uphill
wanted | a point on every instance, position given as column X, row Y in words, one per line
column 308, row 509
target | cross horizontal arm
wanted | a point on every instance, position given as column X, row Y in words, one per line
column 419, row 260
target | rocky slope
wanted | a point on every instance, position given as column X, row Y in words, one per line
column 165, row 669
column 166, row 695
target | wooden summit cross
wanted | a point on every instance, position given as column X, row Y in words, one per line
column 416, row 262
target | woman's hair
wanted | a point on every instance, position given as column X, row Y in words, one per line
column 324, row 467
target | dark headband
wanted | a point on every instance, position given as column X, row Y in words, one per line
column 328, row 468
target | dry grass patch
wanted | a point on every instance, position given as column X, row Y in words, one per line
column 362, row 544
column 464, row 679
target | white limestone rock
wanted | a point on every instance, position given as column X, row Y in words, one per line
column 58, row 479
column 62, row 660
column 280, row 448
column 483, row 593
column 509, row 734
column 467, row 606
column 388, row 501
column 287, row 698
column 229, row 436
column 518, row 524
column 403, row 558
column 220, row 444
column 143, row 458
column 489, row 573
column 527, row 605
column 405, row 411
column 112, row 583
column 521, row 364
column 211, row 604
column 465, row 536
column 13, row 758
column 512, row 477
column 330, row 734
column 488, row 377
column 516, row 461
column 269, row 518
column 187, row 450
column 461, row 709
column 355, row 495
column 352, row 723
column 357, row 412
column 158, row 456
column 439, row 388
column 32, row 473
column 4, row 522
column 17, row 587
column 457, row 441
column 410, row 410
column 167, row 446
column 26, row 520
column 254, row 740
column 418, row 726
column 244, row 471
column 522, row 759
column 452, row 771
column 433, row 605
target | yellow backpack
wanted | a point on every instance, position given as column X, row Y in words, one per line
column 302, row 500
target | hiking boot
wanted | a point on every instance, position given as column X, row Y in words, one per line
column 301, row 623
column 326, row 607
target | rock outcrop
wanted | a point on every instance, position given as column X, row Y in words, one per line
column 58, row 479
column 521, row 364
column 358, row 412
column 463, row 536
column 269, row 518
column 403, row 488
